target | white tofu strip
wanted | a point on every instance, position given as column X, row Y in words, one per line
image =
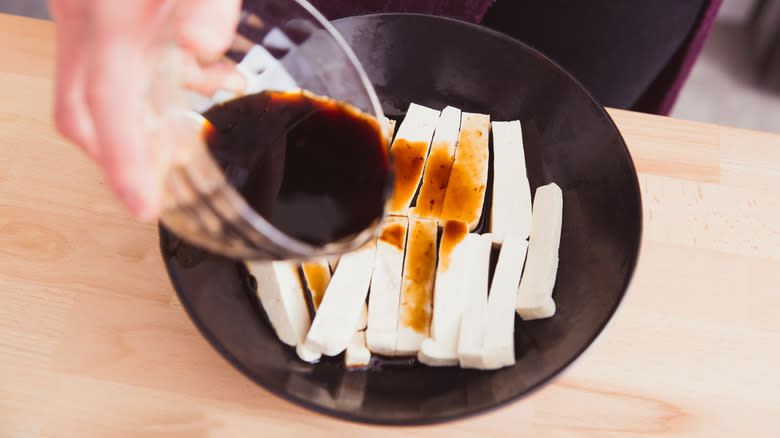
column 389, row 125
column 363, row 318
column 307, row 355
column 409, row 150
column 465, row 194
column 414, row 314
column 439, row 164
column 282, row 296
column 357, row 355
column 498, row 349
column 441, row 348
column 338, row 315
column 384, row 297
column 317, row 276
column 534, row 296
column 474, row 319
column 511, row 209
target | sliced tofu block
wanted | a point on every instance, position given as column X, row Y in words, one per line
column 307, row 355
column 384, row 297
column 474, row 319
column 389, row 125
column 439, row 164
column 357, row 355
column 338, row 315
column 363, row 319
column 534, row 296
column 498, row 348
column 281, row 293
column 511, row 209
column 465, row 194
column 317, row 276
column 410, row 149
column 414, row 314
column 441, row 348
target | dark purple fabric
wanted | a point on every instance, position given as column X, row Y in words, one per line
column 662, row 94
column 640, row 66
column 469, row 10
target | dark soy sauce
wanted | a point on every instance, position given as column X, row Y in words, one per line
column 317, row 169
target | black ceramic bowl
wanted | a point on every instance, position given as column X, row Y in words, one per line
column 569, row 139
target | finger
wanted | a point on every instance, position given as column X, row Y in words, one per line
column 206, row 27
column 115, row 96
column 206, row 80
column 71, row 115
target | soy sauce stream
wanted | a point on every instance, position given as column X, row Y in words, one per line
column 317, row 169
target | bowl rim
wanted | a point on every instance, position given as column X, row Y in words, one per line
column 576, row 357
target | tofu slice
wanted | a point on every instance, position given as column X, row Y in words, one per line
column 414, row 313
column 317, row 276
column 384, row 297
column 363, row 318
column 338, row 314
column 441, row 348
column 498, row 349
column 511, row 209
column 410, row 149
column 389, row 125
column 307, row 355
column 534, row 296
column 474, row 319
column 281, row 293
column 465, row 194
column 439, row 164
column 357, row 355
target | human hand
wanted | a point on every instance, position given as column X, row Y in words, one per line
column 105, row 56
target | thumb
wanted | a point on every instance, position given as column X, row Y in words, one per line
column 206, row 27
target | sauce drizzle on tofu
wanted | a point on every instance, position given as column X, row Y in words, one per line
column 419, row 271
column 465, row 193
column 454, row 232
column 409, row 162
column 317, row 278
column 437, row 175
column 394, row 234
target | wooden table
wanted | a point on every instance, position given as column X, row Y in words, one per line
column 93, row 341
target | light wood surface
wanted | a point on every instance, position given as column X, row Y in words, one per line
column 93, row 342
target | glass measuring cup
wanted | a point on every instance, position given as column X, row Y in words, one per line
column 279, row 45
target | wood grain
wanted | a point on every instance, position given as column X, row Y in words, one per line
column 93, row 342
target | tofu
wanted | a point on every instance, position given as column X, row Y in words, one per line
column 363, row 318
column 317, row 275
column 389, row 125
column 439, row 164
column 409, row 150
column 307, row 355
column 465, row 194
column 414, row 313
column 441, row 348
column 498, row 349
column 534, row 296
column 357, row 355
column 384, row 297
column 281, row 293
column 474, row 319
column 511, row 209
column 338, row 314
